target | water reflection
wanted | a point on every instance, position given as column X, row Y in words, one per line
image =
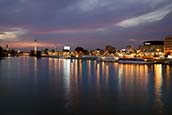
column 132, row 80
column 80, row 69
column 72, row 69
column 168, row 78
column 66, row 73
column 35, row 69
column 98, row 76
column 67, row 86
column 56, row 68
column 120, row 76
column 85, row 85
column 76, row 72
column 89, row 69
column 133, row 85
column 158, row 87
column 107, row 76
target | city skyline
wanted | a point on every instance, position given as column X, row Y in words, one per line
column 88, row 23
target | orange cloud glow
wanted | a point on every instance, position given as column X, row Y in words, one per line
column 31, row 45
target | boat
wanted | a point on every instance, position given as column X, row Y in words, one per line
column 107, row 59
column 133, row 61
column 88, row 57
column 167, row 61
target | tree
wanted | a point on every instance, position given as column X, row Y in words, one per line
column 79, row 49
column 53, row 50
column 1, row 51
column 46, row 51
column 86, row 52
column 110, row 49
column 129, row 46
column 13, row 52
column 38, row 54
column 32, row 53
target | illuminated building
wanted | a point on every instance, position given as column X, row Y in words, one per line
column 152, row 48
column 97, row 52
column 168, row 45
column 66, row 52
column 66, row 48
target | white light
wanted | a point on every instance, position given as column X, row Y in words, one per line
column 147, row 43
column 169, row 57
column 66, row 47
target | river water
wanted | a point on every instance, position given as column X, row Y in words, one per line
column 32, row 86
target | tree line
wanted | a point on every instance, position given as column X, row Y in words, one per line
column 5, row 53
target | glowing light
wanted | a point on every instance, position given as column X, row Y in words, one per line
column 66, row 47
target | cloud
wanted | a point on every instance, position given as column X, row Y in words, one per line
column 152, row 2
column 88, row 5
column 28, row 44
column 146, row 18
column 135, row 40
column 71, row 31
column 61, row 31
column 19, row 31
column 12, row 33
column 84, row 6
column 7, row 35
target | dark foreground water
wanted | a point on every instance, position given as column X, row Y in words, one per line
column 31, row 86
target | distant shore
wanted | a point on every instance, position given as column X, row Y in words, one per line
column 110, row 60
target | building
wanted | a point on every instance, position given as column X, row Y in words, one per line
column 153, row 43
column 66, row 48
column 168, row 45
column 152, row 48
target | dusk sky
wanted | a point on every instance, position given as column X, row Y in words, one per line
column 87, row 23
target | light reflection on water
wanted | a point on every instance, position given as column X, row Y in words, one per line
column 158, row 89
column 64, row 85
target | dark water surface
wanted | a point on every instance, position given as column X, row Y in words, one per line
column 32, row 86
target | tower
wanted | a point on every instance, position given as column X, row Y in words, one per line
column 6, row 47
column 35, row 46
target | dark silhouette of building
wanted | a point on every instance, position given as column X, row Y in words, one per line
column 153, row 43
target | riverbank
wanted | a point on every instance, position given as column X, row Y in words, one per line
column 116, row 60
